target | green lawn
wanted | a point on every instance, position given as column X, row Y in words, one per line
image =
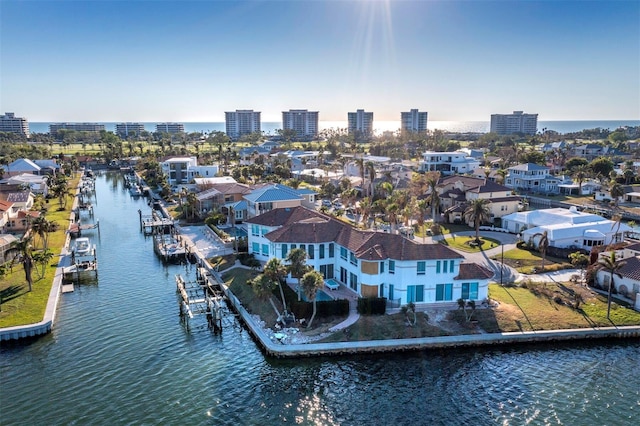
column 19, row 306
column 237, row 279
column 463, row 243
column 524, row 261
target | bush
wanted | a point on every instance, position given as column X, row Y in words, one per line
column 372, row 305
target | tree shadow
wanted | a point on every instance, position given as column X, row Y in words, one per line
column 521, row 310
column 10, row 293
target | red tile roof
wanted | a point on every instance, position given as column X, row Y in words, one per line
column 473, row 271
column 301, row 225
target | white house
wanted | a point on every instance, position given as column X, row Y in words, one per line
column 627, row 279
column 448, row 163
column 186, row 169
column 566, row 228
column 38, row 184
column 371, row 264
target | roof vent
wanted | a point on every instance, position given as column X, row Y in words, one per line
column 573, row 209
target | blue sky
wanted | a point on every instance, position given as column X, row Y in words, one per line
column 193, row 60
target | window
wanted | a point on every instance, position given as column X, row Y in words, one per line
column 444, row 292
column 421, row 268
column 321, row 251
column 238, row 214
column 323, row 271
column 451, row 265
column 343, row 253
column 255, row 248
column 392, row 266
column 331, row 250
column 265, row 249
column 469, row 291
column 255, row 230
column 390, row 291
column 343, row 275
column 311, row 251
column 444, row 266
column 415, row 293
column 293, row 246
column 438, row 267
column 284, row 251
column 264, row 231
column 381, row 267
column 353, row 281
column 352, row 258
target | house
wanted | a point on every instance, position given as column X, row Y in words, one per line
column 566, row 228
column 457, row 191
column 627, row 279
column 569, row 186
column 20, row 166
column 532, row 177
column 589, row 151
column 371, row 264
column 6, row 241
column 38, row 184
column 15, row 211
column 551, row 146
column 250, row 154
column 273, row 196
column 181, row 170
column 448, row 163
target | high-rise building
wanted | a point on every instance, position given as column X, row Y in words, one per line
column 518, row 122
column 360, row 124
column 413, row 121
column 303, row 122
column 125, row 129
column 12, row 124
column 170, row 128
column 78, row 127
column 241, row 122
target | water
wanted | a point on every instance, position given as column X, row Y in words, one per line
column 269, row 128
column 118, row 354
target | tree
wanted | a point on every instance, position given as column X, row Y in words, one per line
column 601, row 166
column 276, row 271
column 471, row 304
column 579, row 260
column 543, row 245
column 477, row 212
column 24, row 250
column 422, row 206
column 616, row 191
column 580, row 174
column 42, row 258
column 433, row 198
column 297, row 259
column 312, row 281
column 409, row 311
column 263, row 288
column 611, row 265
column 574, row 162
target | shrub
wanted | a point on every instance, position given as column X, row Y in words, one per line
column 302, row 309
column 372, row 305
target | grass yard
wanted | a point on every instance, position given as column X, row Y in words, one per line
column 464, row 243
column 237, row 279
column 537, row 308
column 19, row 306
column 524, row 261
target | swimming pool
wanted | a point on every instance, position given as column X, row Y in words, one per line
column 321, row 296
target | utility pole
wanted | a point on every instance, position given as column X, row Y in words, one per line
column 501, row 265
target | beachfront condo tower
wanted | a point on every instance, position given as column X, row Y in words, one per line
column 170, row 128
column 413, row 121
column 518, row 122
column 11, row 124
column 360, row 124
column 124, row 130
column 241, row 122
column 303, row 122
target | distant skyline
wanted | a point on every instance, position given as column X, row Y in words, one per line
column 190, row 61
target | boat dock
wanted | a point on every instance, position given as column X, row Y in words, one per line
column 170, row 248
column 199, row 297
column 153, row 223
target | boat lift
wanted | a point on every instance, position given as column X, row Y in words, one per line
column 200, row 297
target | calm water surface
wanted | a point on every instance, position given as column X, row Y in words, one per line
column 119, row 355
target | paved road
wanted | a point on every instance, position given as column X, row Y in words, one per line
column 509, row 274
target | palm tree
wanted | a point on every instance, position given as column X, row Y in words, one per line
column 612, row 265
column 422, row 206
column 24, row 250
column 276, row 271
column 42, row 258
column 297, row 259
column 433, row 198
column 543, row 245
column 502, row 173
column 312, row 281
column 616, row 191
column 371, row 171
column 477, row 212
column 263, row 288
column 580, row 173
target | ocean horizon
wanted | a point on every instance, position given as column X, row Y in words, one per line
column 270, row 127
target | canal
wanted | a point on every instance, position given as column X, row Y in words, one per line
column 119, row 354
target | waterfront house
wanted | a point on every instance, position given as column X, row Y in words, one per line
column 38, row 184
column 213, row 196
column 532, row 177
column 273, row 196
column 371, row 264
column 589, row 151
column 448, row 163
column 627, row 279
column 181, row 170
column 566, row 228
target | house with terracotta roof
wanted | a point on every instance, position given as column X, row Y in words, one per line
column 457, row 191
column 15, row 211
column 371, row 264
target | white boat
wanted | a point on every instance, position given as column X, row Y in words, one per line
column 82, row 247
column 135, row 190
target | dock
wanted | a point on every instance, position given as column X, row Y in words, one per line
column 198, row 298
column 169, row 248
column 153, row 223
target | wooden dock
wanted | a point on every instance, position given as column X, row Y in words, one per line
column 155, row 224
column 196, row 299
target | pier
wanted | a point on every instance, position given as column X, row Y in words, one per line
column 200, row 297
column 153, row 223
